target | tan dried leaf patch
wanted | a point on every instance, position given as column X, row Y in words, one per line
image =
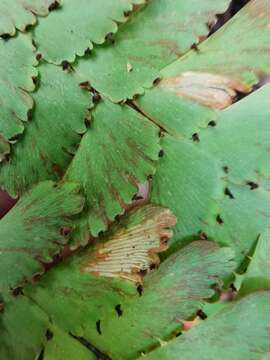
column 212, row 90
column 131, row 250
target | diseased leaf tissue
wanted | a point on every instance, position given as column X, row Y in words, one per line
column 136, row 142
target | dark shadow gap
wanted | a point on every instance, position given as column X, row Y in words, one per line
column 99, row 354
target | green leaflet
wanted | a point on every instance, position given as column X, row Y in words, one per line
column 73, row 28
column 153, row 38
column 23, row 329
column 117, row 153
column 21, row 313
column 223, row 159
column 231, row 60
column 19, row 14
column 241, row 138
column 50, row 139
column 213, row 173
column 16, row 73
column 238, row 332
column 188, row 182
column 176, row 115
column 31, row 231
column 257, row 276
column 241, row 219
column 103, row 310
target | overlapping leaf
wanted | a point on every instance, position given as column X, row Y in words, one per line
column 156, row 36
column 16, row 80
column 116, row 154
column 241, row 139
column 50, row 139
column 102, row 311
column 235, row 150
column 213, row 175
column 257, row 276
column 31, row 231
column 188, row 181
column 73, row 28
column 238, row 332
column 19, row 14
column 231, row 60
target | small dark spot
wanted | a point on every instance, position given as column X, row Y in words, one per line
column 65, row 231
column 152, row 266
column 98, row 327
column 252, row 185
column 85, row 85
column 35, row 80
column 219, row 220
column 18, row 291
column 87, row 122
column 119, row 310
column 212, row 123
column 49, row 334
column 225, row 169
column 100, row 233
column 96, row 97
column 233, row 288
column 66, row 65
column 30, row 115
column 109, row 38
column 137, row 197
column 41, row 355
column 194, row 46
column 150, row 177
column 55, row 5
column 57, row 258
column 58, row 170
column 161, row 153
column 202, row 235
column 201, row 314
column 195, row 137
column 39, row 57
column 178, row 334
column 5, row 36
column 156, row 81
column 127, row 13
column 34, row 43
column 140, row 289
column 164, row 240
column 28, row 27
column 228, row 193
column 118, row 217
column 143, row 272
column 161, row 133
column 88, row 51
column 7, row 158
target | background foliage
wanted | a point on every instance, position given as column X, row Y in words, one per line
column 134, row 136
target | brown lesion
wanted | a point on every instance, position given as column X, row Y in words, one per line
column 212, row 90
column 132, row 251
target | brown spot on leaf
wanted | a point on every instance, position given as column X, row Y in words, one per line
column 252, row 185
column 212, row 90
column 131, row 250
